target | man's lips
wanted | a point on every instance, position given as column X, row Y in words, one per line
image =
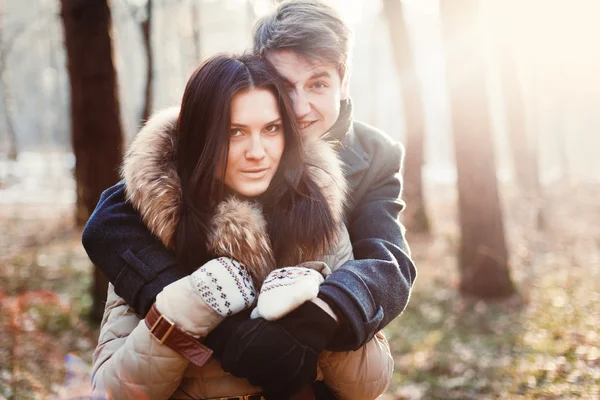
column 305, row 124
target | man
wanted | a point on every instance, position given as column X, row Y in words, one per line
column 309, row 45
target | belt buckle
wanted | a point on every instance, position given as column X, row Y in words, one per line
column 166, row 335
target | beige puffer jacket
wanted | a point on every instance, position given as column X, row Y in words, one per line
column 129, row 363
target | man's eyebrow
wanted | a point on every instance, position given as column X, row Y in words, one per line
column 316, row 75
column 237, row 125
column 321, row 74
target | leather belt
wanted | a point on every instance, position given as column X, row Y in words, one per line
column 165, row 332
column 257, row 396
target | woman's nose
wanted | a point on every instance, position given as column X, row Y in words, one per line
column 256, row 151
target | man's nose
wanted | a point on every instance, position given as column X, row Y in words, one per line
column 256, row 151
column 301, row 104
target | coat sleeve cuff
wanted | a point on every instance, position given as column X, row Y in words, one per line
column 149, row 273
column 351, row 300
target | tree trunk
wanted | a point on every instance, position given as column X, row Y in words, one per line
column 483, row 255
column 13, row 146
column 522, row 140
column 523, row 148
column 415, row 215
column 250, row 15
column 561, row 136
column 95, row 116
column 196, row 30
column 146, row 27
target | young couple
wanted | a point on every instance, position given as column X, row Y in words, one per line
column 253, row 245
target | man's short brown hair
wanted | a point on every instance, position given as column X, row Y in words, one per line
column 312, row 28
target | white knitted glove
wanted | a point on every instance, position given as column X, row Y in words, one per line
column 199, row 302
column 286, row 289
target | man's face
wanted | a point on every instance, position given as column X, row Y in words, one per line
column 316, row 90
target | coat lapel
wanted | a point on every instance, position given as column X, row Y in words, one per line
column 354, row 158
column 349, row 149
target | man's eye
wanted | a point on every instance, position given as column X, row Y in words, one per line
column 274, row 128
column 235, row 133
column 320, row 85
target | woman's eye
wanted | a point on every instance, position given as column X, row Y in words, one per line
column 273, row 128
column 235, row 133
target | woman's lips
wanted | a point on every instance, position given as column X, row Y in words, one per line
column 255, row 172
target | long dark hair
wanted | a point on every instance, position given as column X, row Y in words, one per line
column 304, row 222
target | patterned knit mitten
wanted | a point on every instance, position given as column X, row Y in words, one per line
column 225, row 285
column 286, row 289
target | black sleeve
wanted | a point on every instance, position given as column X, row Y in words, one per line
column 133, row 259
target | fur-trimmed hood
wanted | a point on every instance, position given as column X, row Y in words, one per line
column 239, row 228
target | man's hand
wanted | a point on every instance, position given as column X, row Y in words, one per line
column 327, row 308
column 219, row 337
column 279, row 356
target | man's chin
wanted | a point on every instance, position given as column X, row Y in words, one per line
column 314, row 130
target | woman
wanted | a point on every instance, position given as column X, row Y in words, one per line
column 226, row 176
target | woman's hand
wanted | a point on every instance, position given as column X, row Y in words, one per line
column 198, row 303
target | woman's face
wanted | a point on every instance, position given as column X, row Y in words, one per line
column 256, row 142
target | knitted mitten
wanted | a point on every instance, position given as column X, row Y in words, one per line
column 199, row 302
column 225, row 285
column 286, row 289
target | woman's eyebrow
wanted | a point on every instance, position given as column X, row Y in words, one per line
column 287, row 82
column 238, row 125
column 274, row 121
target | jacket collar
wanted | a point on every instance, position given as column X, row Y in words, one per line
column 349, row 148
column 343, row 125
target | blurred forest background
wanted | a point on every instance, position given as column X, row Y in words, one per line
column 497, row 103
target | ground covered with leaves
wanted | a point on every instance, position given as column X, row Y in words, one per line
column 541, row 344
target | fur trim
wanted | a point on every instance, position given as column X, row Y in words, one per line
column 152, row 184
column 239, row 228
column 326, row 169
column 239, row 231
